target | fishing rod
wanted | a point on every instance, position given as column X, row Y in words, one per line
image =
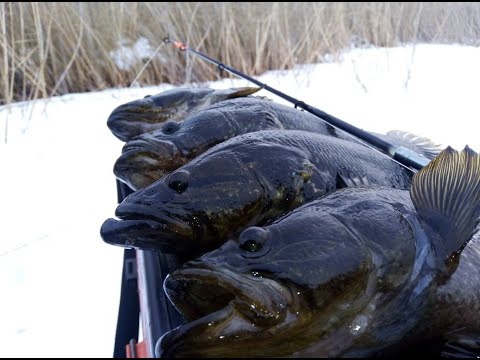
column 401, row 154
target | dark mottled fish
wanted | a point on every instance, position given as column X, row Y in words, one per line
column 150, row 156
column 148, row 114
column 360, row 272
column 244, row 181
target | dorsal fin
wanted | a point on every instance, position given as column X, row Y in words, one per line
column 416, row 143
column 240, row 92
column 446, row 195
column 349, row 179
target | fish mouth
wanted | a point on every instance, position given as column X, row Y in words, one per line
column 138, row 169
column 143, row 162
column 224, row 306
column 151, row 145
column 141, row 227
column 135, row 118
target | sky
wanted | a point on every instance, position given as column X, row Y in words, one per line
column 61, row 283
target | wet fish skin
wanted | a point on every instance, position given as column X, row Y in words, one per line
column 344, row 264
column 360, row 272
column 245, row 181
column 150, row 156
column 145, row 115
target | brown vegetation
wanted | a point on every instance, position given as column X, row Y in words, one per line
column 56, row 48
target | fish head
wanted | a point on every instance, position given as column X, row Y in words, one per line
column 264, row 295
column 147, row 114
column 188, row 209
column 308, row 285
column 149, row 157
column 197, row 206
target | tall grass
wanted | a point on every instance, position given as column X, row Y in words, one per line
column 55, row 48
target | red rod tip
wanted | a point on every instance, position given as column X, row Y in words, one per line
column 180, row 45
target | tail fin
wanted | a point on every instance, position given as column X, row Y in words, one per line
column 446, row 195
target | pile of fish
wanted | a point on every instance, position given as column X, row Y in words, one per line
column 300, row 240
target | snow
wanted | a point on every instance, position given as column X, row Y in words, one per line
column 61, row 284
column 125, row 57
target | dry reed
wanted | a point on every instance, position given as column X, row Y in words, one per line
column 49, row 49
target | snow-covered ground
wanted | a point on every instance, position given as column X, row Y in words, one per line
column 60, row 283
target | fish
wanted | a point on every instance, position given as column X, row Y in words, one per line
column 363, row 271
column 150, row 156
column 249, row 179
column 148, row 114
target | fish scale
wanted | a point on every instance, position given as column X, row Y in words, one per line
column 349, row 157
column 247, row 180
column 368, row 272
column 153, row 155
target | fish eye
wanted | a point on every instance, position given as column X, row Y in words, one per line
column 251, row 246
column 147, row 96
column 253, row 239
column 170, row 128
column 178, row 181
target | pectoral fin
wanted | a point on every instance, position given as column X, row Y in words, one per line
column 271, row 120
column 446, row 195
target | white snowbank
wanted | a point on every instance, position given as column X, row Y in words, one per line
column 60, row 283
